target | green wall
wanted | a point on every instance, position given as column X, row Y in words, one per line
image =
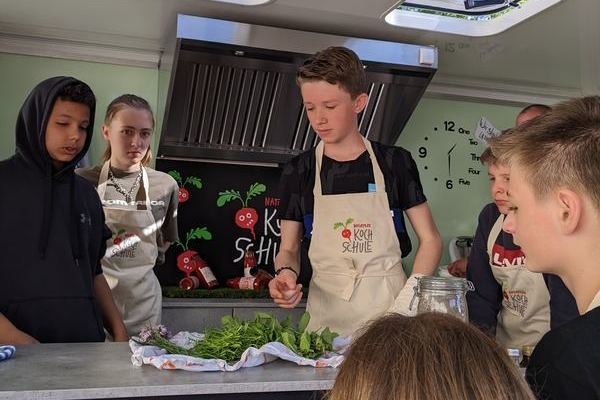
column 436, row 127
column 19, row 74
column 428, row 132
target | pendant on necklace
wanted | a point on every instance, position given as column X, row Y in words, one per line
column 119, row 188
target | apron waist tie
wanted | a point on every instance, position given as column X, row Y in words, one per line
column 346, row 283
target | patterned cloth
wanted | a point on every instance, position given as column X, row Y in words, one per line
column 252, row 357
column 6, row 352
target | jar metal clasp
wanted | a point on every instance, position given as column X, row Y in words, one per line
column 416, row 295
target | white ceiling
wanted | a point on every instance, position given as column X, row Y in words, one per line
column 555, row 53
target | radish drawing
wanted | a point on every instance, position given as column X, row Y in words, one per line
column 120, row 236
column 246, row 217
column 346, row 233
column 189, row 260
column 184, row 194
column 118, row 239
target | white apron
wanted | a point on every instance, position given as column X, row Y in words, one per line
column 525, row 313
column 130, row 257
column 355, row 255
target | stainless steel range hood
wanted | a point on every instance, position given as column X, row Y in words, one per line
column 232, row 93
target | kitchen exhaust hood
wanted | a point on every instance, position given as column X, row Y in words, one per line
column 232, row 93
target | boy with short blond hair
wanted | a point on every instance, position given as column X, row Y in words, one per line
column 555, row 218
column 344, row 200
column 509, row 302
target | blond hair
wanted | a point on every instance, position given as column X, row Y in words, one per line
column 558, row 149
column 337, row 66
column 431, row 356
column 487, row 157
column 118, row 104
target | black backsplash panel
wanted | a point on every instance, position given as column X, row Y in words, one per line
column 224, row 252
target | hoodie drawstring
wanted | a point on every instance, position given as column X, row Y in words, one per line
column 47, row 214
column 75, row 224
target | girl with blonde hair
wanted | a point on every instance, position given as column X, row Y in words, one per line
column 140, row 206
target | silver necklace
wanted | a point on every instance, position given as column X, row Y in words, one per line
column 119, row 188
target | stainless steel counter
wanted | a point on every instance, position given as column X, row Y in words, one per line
column 104, row 370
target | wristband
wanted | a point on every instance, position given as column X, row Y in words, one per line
column 282, row 268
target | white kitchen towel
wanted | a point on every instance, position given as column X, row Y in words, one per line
column 252, row 357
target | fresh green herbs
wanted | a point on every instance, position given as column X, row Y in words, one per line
column 229, row 342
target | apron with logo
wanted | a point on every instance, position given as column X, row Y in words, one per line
column 129, row 260
column 355, row 255
column 525, row 313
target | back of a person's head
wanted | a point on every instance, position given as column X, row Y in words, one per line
column 530, row 112
column 558, row 149
column 428, row 357
column 337, row 66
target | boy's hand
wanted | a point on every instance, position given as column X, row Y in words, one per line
column 23, row 338
column 458, row 268
column 284, row 290
column 10, row 334
column 120, row 335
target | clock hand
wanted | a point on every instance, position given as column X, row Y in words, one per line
column 449, row 157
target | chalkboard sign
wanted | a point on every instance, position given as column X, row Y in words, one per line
column 224, row 209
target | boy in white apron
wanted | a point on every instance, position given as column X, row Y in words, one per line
column 555, row 217
column 354, row 249
column 510, row 302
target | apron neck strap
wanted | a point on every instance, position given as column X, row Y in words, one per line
column 494, row 233
column 377, row 174
column 103, row 180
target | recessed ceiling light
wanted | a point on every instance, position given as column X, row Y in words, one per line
column 465, row 17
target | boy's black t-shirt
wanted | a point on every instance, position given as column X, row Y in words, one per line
column 566, row 362
column 403, row 188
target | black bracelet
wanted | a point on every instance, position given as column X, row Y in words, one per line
column 282, row 268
